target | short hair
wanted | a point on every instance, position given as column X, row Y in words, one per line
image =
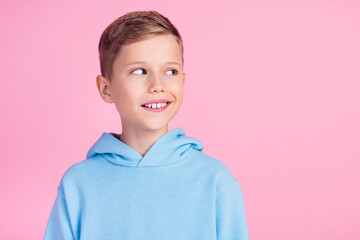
column 129, row 28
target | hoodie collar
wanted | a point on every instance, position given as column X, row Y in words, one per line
column 170, row 148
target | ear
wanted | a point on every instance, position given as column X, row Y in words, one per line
column 184, row 74
column 103, row 85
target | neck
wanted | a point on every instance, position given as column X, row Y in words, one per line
column 141, row 139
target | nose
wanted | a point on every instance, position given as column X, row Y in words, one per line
column 156, row 84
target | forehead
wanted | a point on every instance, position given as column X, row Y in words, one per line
column 154, row 49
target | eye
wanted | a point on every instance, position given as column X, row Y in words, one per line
column 139, row 71
column 171, row 72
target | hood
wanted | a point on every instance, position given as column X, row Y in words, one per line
column 170, row 148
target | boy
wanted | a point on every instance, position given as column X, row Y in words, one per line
column 147, row 182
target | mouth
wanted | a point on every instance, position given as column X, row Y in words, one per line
column 156, row 107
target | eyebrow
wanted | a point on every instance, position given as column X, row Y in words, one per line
column 142, row 62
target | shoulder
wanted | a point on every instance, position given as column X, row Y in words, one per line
column 81, row 170
column 220, row 173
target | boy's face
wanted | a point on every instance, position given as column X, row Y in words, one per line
column 144, row 71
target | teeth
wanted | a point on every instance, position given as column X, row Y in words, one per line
column 156, row 105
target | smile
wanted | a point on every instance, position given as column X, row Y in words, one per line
column 156, row 107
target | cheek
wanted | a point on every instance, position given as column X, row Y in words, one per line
column 124, row 100
column 177, row 88
column 180, row 93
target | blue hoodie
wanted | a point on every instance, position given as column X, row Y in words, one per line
column 174, row 192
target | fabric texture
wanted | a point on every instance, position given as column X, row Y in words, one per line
column 174, row 192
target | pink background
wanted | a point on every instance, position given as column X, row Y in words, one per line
column 272, row 90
